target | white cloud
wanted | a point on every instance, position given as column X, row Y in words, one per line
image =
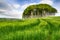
column 2, row 10
column 47, row 2
column 16, row 6
column 15, row 13
column 17, row 10
column 12, row 11
column 58, row 14
column 26, row 5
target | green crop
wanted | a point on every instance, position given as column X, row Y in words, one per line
column 30, row 29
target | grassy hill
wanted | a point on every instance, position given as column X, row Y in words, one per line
column 30, row 29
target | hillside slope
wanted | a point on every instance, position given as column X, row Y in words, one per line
column 30, row 29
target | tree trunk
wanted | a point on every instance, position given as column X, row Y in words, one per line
column 34, row 14
column 31, row 14
column 38, row 14
column 44, row 13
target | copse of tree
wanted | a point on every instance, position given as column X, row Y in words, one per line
column 39, row 10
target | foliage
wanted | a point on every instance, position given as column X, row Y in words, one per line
column 39, row 8
column 30, row 29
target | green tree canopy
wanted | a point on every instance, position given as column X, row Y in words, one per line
column 39, row 8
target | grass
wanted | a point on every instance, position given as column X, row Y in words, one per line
column 30, row 29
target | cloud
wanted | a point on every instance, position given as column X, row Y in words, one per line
column 4, row 7
column 58, row 13
column 26, row 5
column 16, row 10
column 2, row 10
column 9, row 10
column 47, row 2
column 15, row 13
column 2, row 0
column 57, row 6
column 16, row 6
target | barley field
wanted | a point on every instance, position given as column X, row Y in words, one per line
column 30, row 29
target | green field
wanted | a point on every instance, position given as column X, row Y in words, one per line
column 30, row 29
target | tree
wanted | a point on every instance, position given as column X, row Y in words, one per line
column 39, row 10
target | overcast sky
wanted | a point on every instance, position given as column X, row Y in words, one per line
column 15, row 8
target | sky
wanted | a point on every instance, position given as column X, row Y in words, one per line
column 15, row 8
